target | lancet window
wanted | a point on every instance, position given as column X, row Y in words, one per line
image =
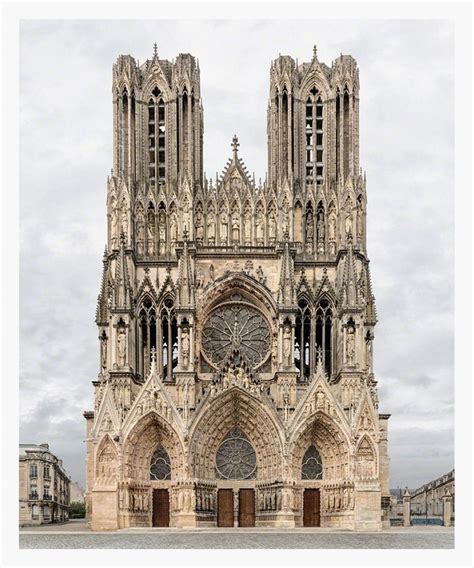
column 314, row 132
column 147, row 335
column 324, row 335
column 156, row 138
column 169, row 340
column 303, row 340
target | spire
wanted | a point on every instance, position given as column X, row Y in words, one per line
column 235, row 147
column 122, row 280
column 286, row 288
column 101, row 310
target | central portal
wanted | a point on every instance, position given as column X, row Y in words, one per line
column 311, row 508
column 225, row 508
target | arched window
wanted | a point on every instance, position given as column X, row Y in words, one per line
column 235, row 457
column 147, row 333
column 124, row 132
column 169, row 340
column 160, row 466
column 314, row 132
column 312, row 465
column 303, row 340
column 346, row 133
column 324, row 318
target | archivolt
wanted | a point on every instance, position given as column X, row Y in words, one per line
column 148, row 433
column 235, row 407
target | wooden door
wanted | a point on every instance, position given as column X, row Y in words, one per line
column 311, row 508
column 161, row 508
column 225, row 508
column 246, row 508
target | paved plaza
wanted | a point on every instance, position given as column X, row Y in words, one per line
column 77, row 535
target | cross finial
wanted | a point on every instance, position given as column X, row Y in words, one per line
column 235, row 145
column 155, row 50
column 315, row 52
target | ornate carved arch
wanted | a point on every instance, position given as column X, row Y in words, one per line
column 106, row 462
column 142, row 440
column 235, row 407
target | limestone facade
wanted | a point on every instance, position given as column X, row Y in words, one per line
column 236, row 319
column 44, row 495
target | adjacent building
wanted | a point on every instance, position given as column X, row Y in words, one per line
column 428, row 500
column 44, row 486
column 236, row 318
column 76, row 492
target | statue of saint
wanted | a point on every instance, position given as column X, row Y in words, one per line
column 350, row 345
column 309, row 227
column 140, row 233
column 260, row 228
column 103, row 351
column 359, row 219
column 121, row 346
column 211, row 229
column 224, row 229
column 348, row 220
column 235, row 227
column 113, row 229
column 174, row 227
column 320, row 227
column 211, row 272
column 185, row 347
column 186, row 223
column 124, row 220
column 332, row 226
column 287, row 346
column 199, row 228
column 247, row 229
column 162, row 231
column 271, row 226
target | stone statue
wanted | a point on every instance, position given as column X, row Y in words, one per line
column 247, row 229
column 350, row 345
column 199, row 228
column 113, row 229
column 211, row 229
column 287, row 346
column 151, row 232
column 173, row 227
column 320, row 227
column 332, row 226
column 224, row 228
column 140, row 233
column 186, row 223
column 162, row 231
column 271, row 226
column 103, row 351
column 121, row 346
column 260, row 277
column 348, row 220
column 185, row 347
column 124, row 220
column 309, row 227
column 211, row 272
column 235, row 227
column 359, row 219
column 285, row 218
column 260, row 228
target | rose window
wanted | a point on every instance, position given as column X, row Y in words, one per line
column 236, row 328
column 160, row 467
column 236, row 458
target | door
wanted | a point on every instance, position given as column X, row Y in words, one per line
column 225, row 508
column 246, row 508
column 311, row 508
column 161, row 508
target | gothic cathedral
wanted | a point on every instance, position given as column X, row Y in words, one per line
column 236, row 319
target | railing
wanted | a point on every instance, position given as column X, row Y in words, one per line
column 47, row 497
column 33, row 496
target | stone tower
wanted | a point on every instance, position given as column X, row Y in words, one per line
column 236, row 320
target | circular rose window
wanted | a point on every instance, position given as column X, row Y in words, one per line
column 236, row 328
column 235, row 458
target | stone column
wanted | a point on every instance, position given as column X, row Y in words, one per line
column 447, row 509
column 406, row 508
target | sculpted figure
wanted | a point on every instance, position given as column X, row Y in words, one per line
column 185, row 347
column 211, row 229
column 260, row 228
column 247, row 228
column 359, row 219
column 271, row 226
column 121, row 346
column 103, row 352
column 199, row 228
column 125, row 220
column 113, row 229
column 348, row 220
column 350, row 345
column 235, row 228
column 321, row 230
column 211, row 272
column 224, row 228
column 173, row 226
column 332, row 226
column 287, row 346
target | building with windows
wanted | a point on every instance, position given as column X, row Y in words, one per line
column 76, row 492
column 44, row 486
column 427, row 501
column 236, row 319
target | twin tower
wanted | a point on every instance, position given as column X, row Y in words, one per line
column 236, row 320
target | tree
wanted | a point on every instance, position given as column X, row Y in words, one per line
column 77, row 510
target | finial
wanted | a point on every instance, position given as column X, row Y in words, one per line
column 185, row 234
column 155, row 50
column 153, row 351
column 319, row 356
column 315, row 52
column 122, row 238
column 235, row 145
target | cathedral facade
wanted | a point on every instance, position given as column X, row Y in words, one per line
column 236, row 319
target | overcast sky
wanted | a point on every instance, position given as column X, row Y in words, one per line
column 407, row 150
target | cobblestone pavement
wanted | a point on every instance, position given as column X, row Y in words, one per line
column 238, row 538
